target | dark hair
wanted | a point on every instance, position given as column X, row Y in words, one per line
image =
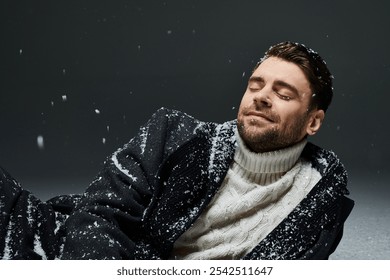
column 312, row 65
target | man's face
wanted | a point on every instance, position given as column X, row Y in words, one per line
column 274, row 111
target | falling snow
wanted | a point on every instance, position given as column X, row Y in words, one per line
column 40, row 142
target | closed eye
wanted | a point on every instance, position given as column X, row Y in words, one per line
column 255, row 83
column 254, row 88
column 282, row 96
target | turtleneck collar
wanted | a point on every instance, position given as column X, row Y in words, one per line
column 278, row 161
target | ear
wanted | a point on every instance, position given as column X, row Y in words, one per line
column 315, row 121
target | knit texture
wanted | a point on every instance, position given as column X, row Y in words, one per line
column 259, row 191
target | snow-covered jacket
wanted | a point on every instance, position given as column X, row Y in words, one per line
column 154, row 188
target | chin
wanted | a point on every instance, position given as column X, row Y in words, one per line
column 250, row 133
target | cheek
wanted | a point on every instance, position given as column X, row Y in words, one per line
column 288, row 108
column 294, row 120
column 245, row 101
column 287, row 114
column 242, row 106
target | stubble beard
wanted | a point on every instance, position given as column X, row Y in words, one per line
column 269, row 139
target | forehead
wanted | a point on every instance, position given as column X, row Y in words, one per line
column 276, row 69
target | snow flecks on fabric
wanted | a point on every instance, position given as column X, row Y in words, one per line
column 96, row 180
column 38, row 247
column 199, row 127
column 59, row 221
column 16, row 183
column 144, row 251
column 213, row 150
column 121, row 168
column 29, row 211
column 111, row 242
column 322, row 160
column 7, row 253
column 220, row 149
column 182, row 223
column 144, row 138
column 181, row 127
column 61, row 251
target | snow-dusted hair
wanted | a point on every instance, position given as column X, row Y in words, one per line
column 313, row 66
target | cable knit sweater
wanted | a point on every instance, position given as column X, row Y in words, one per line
column 259, row 191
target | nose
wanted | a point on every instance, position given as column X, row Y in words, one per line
column 263, row 98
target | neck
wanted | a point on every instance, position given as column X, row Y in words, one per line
column 268, row 166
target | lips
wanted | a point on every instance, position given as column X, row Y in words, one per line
column 261, row 115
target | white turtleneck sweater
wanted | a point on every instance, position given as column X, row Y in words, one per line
column 258, row 192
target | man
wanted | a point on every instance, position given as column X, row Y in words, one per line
column 252, row 188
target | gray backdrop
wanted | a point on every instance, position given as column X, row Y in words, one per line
column 77, row 80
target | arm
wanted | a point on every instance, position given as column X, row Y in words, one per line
column 29, row 228
column 108, row 223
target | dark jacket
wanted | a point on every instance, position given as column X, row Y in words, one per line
column 154, row 188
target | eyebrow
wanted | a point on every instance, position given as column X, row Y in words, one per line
column 256, row 79
column 288, row 86
column 279, row 83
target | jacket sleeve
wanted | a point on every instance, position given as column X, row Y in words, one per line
column 29, row 228
column 330, row 237
column 333, row 188
column 108, row 222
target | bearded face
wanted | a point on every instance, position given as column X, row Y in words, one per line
column 262, row 135
column 274, row 111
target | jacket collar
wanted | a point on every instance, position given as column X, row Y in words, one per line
column 223, row 144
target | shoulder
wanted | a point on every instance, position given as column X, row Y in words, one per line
column 187, row 124
column 173, row 119
column 323, row 160
column 328, row 164
column 171, row 115
column 181, row 128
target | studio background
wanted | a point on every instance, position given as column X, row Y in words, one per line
column 78, row 78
